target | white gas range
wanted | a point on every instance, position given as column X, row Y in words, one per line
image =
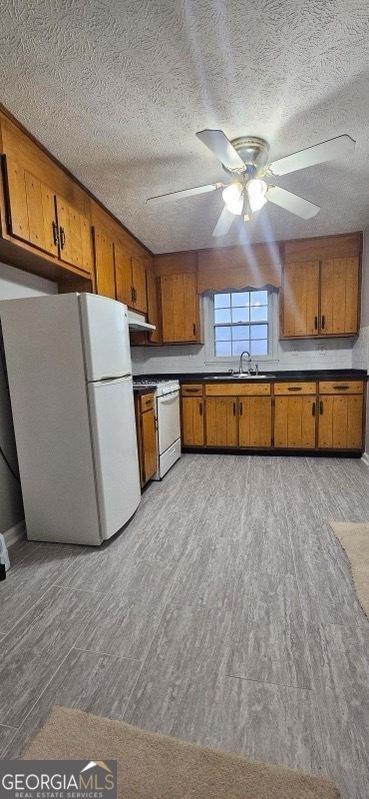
column 167, row 417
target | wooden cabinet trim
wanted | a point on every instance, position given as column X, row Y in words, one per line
column 297, row 387
column 193, row 389
column 237, row 390
column 341, row 386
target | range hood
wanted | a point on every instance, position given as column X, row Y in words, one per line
column 137, row 321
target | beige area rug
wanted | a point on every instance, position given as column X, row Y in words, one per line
column 153, row 766
column 354, row 538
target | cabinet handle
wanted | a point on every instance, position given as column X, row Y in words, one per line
column 234, row 409
column 294, row 388
column 191, row 390
column 62, row 237
column 323, row 322
column 321, row 407
column 194, row 329
column 200, row 408
column 313, row 409
column 132, row 294
column 55, row 233
column 241, row 409
column 315, row 323
column 341, row 387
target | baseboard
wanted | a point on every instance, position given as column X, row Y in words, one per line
column 365, row 458
column 15, row 533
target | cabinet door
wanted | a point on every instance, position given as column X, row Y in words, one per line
column 153, row 305
column 339, row 295
column 17, row 199
column 340, row 422
column 31, row 209
column 139, row 284
column 123, row 275
column 74, row 236
column 300, row 299
column 255, row 421
column 148, row 436
column 295, row 422
column 179, row 308
column 193, row 432
column 104, row 262
column 221, row 422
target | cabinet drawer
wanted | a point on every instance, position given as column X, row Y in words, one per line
column 237, row 390
column 192, row 390
column 341, row 387
column 146, row 402
column 294, row 388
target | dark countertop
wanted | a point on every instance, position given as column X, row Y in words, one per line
column 309, row 374
column 138, row 391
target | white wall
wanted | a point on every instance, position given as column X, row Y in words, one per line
column 13, row 284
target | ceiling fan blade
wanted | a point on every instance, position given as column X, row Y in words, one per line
column 224, row 223
column 178, row 195
column 338, row 148
column 291, row 202
column 221, row 147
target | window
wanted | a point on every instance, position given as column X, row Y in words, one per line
column 241, row 323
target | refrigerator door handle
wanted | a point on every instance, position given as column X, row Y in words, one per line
column 105, row 378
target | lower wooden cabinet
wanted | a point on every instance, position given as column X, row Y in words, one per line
column 255, row 421
column 328, row 415
column 295, row 422
column 221, row 422
column 146, row 436
column 193, row 428
column 340, row 422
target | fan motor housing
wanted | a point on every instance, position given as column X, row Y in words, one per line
column 253, row 151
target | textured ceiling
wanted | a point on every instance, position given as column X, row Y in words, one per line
column 117, row 90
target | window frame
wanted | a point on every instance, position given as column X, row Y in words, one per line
column 209, row 324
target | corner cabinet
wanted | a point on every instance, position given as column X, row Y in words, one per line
column 308, row 416
column 320, row 296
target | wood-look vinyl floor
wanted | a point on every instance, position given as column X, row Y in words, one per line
column 224, row 614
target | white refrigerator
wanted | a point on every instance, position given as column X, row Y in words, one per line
column 70, row 381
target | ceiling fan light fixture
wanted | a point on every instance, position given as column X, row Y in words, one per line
column 256, row 191
column 232, row 196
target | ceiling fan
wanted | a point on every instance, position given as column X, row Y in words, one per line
column 251, row 184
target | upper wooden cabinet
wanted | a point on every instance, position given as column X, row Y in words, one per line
column 31, row 208
column 139, row 302
column 339, row 296
column 153, row 311
column 104, row 262
column 123, row 275
column 320, row 294
column 75, row 236
column 179, row 308
column 300, row 299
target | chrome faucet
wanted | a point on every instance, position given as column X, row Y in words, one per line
column 240, row 368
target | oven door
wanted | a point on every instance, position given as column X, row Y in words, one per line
column 169, row 426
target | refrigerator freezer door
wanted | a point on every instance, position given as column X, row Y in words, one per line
column 106, row 337
column 115, row 452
